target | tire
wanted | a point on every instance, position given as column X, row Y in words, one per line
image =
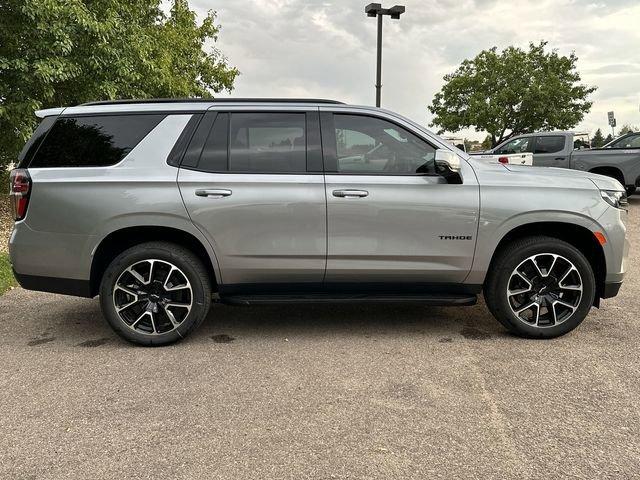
column 630, row 190
column 563, row 285
column 155, row 293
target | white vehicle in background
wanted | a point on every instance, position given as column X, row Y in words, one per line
column 510, row 159
column 525, row 158
column 457, row 142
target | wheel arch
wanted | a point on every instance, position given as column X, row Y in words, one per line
column 119, row 240
column 610, row 171
column 576, row 235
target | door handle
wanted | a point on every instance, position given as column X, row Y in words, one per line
column 559, row 158
column 350, row 193
column 214, row 193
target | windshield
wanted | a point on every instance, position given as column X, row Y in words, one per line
column 630, row 141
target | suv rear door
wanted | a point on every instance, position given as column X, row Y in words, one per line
column 391, row 219
column 252, row 182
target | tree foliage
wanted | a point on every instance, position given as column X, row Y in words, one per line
column 512, row 92
column 55, row 53
column 487, row 143
column 627, row 128
column 598, row 139
column 608, row 139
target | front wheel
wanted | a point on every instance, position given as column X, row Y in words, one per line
column 540, row 287
column 630, row 190
column 155, row 293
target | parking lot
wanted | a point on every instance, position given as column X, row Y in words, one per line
column 369, row 391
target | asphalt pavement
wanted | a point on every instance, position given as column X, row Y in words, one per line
column 320, row 392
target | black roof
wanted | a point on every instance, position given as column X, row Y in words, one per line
column 214, row 100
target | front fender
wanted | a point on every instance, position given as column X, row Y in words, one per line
column 492, row 233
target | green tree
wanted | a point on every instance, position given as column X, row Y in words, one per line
column 468, row 144
column 487, row 143
column 512, row 92
column 56, row 53
column 628, row 128
column 598, row 139
column 608, row 139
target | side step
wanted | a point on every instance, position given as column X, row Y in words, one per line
column 439, row 299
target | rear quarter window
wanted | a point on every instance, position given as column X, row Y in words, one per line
column 93, row 141
column 31, row 147
column 549, row 144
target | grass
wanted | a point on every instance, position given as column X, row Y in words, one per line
column 6, row 275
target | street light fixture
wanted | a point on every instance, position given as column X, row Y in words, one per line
column 376, row 10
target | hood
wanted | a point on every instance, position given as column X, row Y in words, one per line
column 601, row 181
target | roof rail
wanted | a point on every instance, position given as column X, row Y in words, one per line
column 212, row 100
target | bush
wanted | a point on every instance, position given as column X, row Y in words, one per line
column 4, row 182
column 6, row 275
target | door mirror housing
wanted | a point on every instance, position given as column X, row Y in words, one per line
column 447, row 159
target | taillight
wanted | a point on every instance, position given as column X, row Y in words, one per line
column 503, row 159
column 20, row 189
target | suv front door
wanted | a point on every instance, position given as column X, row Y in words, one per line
column 252, row 182
column 391, row 219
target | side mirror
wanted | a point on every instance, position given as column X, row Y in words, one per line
column 447, row 158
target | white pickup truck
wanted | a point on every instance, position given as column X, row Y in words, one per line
column 512, row 159
column 525, row 158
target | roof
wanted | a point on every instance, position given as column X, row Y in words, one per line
column 557, row 132
column 127, row 101
column 176, row 105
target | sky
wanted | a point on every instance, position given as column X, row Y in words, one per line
column 326, row 49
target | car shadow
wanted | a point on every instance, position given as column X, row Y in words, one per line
column 344, row 320
column 79, row 322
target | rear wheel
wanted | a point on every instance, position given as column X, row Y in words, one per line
column 155, row 293
column 540, row 287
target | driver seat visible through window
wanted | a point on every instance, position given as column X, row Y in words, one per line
column 372, row 145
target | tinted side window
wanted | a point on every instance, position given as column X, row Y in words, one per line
column 549, row 144
column 93, row 141
column 371, row 145
column 178, row 151
column 518, row 145
column 31, row 147
column 214, row 153
column 267, row 142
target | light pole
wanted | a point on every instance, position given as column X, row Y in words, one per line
column 376, row 10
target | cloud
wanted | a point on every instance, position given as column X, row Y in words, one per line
column 327, row 48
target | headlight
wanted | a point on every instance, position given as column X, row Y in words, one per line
column 615, row 198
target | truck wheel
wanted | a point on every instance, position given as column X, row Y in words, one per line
column 155, row 293
column 630, row 190
column 540, row 287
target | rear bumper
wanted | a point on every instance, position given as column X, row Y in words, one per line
column 611, row 289
column 64, row 286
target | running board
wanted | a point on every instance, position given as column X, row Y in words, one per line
column 433, row 299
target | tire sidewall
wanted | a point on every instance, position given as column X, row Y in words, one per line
column 138, row 254
column 508, row 265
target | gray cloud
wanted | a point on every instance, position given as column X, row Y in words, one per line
column 327, row 48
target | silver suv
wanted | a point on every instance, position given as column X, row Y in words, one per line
column 161, row 207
